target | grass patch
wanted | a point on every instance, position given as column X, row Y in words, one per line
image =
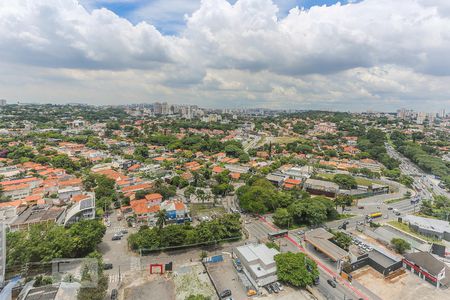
column 345, row 216
column 284, row 139
column 395, row 200
column 205, row 209
column 405, row 228
column 273, row 245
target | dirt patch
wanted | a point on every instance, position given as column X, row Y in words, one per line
column 140, row 287
column 191, row 280
column 401, row 285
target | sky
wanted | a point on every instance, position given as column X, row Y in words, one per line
column 354, row 55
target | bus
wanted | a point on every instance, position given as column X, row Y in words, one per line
column 374, row 215
column 276, row 235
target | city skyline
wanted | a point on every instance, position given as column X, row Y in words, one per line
column 348, row 56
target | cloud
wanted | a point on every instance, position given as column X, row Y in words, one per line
column 230, row 52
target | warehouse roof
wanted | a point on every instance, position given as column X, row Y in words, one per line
column 320, row 238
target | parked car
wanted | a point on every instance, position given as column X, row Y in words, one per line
column 124, row 231
column 280, row 286
column 225, row 294
column 107, row 266
column 269, row 289
column 116, row 237
column 275, row 288
column 300, row 232
column 360, row 207
column 331, row 282
column 114, row 294
column 390, row 208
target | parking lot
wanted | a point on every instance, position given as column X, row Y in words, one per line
column 225, row 277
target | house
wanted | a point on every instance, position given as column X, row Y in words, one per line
column 154, row 199
column 18, row 191
column 276, row 179
column 33, row 182
column 258, row 263
column 217, row 170
column 176, row 211
column 290, row 183
column 143, row 210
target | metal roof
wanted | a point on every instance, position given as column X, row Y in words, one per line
column 320, row 238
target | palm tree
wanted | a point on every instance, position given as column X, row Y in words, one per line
column 161, row 219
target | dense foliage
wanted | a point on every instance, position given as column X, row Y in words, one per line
column 400, row 245
column 44, row 242
column 296, row 269
column 226, row 227
column 439, row 208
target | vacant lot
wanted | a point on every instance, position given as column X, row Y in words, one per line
column 225, row 277
column 403, row 286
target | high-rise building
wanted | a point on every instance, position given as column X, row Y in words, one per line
column 421, row 116
column 2, row 102
column 157, row 108
column 442, row 113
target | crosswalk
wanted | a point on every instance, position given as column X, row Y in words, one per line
column 114, row 277
column 115, row 229
column 135, row 263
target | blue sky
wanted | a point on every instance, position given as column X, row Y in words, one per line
column 168, row 15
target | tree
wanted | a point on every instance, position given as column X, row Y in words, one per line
column 342, row 240
column 282, row 218
column 345, row 181
column 161, row 218
column 296, row 269
column 400, row 245
column 343, row 201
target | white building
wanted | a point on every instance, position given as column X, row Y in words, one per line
column 258, row 263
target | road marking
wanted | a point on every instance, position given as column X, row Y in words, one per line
column 114, row 277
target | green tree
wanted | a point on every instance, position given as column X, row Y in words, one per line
column 282, row 218
column 161, row 218
column 345, row 181
column 342, row 240
column 400, row 245
column 296, row 269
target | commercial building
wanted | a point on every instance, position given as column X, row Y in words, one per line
column 38, row 214
column 320, row 239
column 437, row 229
column 258, row 263
column 427, row 267
column 81, row 210
column 321, row 187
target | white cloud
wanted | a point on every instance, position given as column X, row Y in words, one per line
column 375, row 52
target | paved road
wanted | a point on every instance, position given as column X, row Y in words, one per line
column 422, row 181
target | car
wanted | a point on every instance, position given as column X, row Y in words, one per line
column 269, row 289
column 369, row 248
column 300, row 232
column 124, row 231
column 114, row 294
column 360, row 207
column 107, row 266
column 390, row 208
column 225, row 294
column 275, row 288
column 331, row 282
column 347, row 209
column 280, row 286
column 116, row 237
